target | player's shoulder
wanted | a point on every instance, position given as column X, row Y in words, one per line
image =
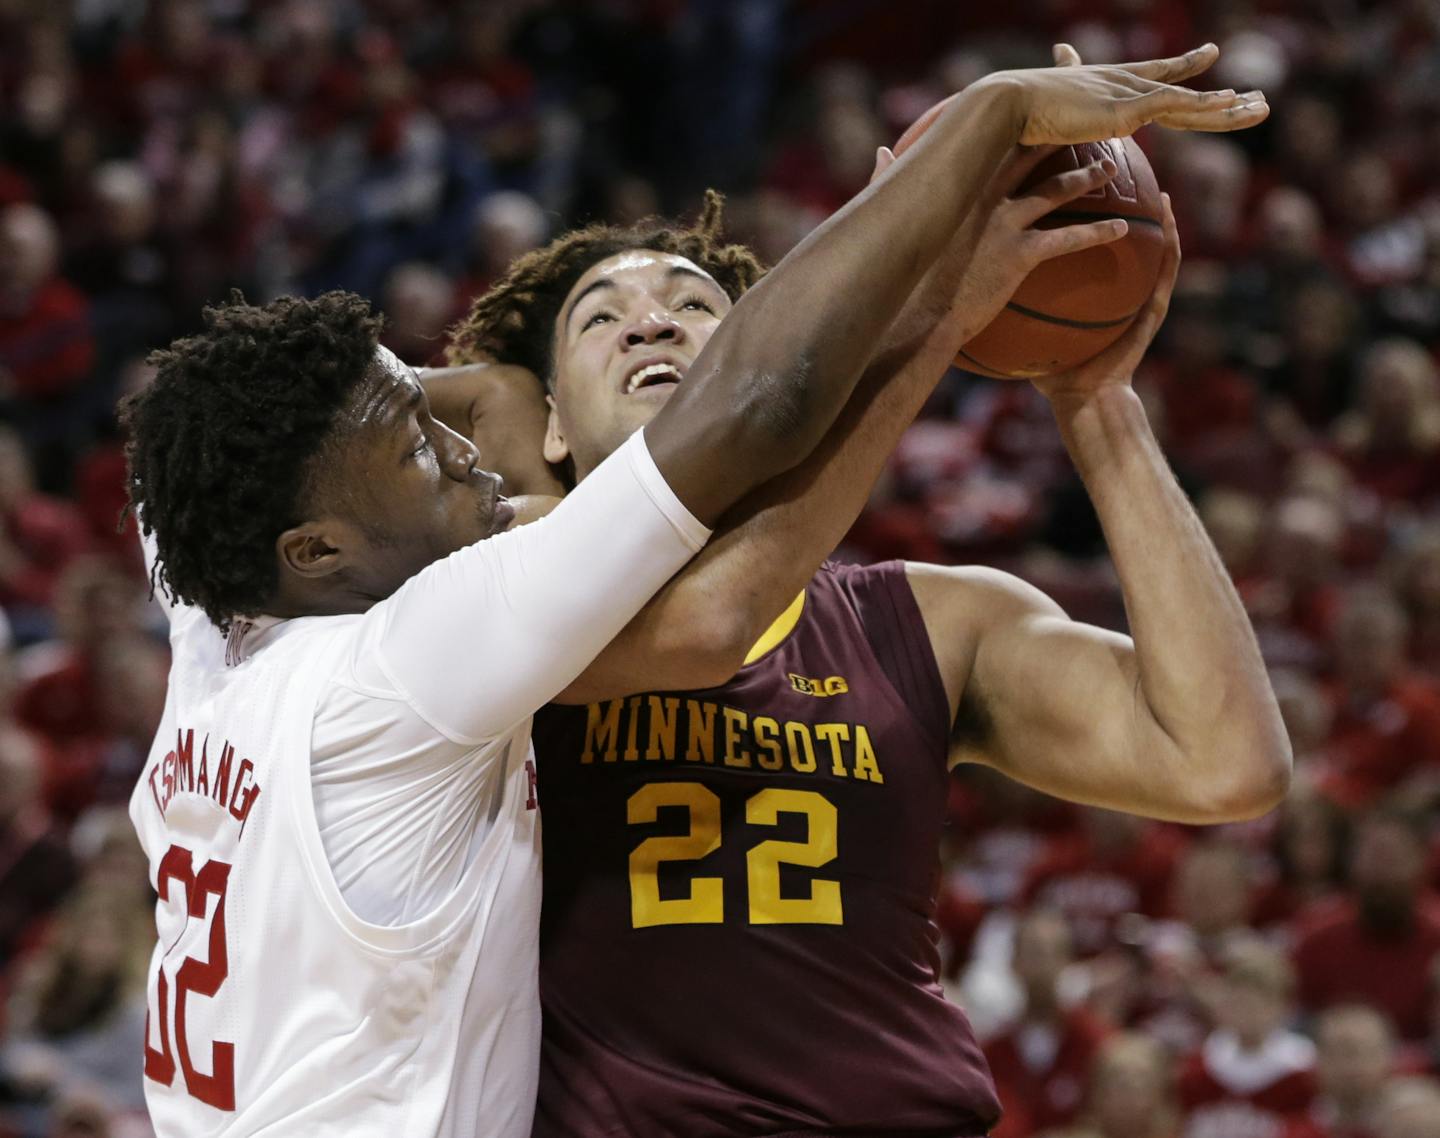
column 976, row 594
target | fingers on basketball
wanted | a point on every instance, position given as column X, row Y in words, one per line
column 1065, row 187
column 1047, row 244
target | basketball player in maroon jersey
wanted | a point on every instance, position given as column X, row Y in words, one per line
column 740, row 876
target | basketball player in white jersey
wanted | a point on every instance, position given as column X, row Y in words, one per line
column 338, row 809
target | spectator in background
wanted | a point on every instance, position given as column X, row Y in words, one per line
column 78, row 1011
column 1113, row 865
column 1307, row 713
column 39, row 537
column 122, row 263
column 36, row 869
column 1041, row 1063
column 1290, row 252
column 507, row 225
column 1252, row 1073
column 1310, row 380
column 1355, row 1054
column 1310, row 852
column 1415, row 572
column 95, row 603
column 1386, row 732
column 1410, row 1108
column 1235, row 522
column 419, row 301
column 46, row 350
column 46, row 345
column 1295, row 601
column 1378, row 946
column 1130, row 1095
column 1391, row 442
column 1209, row 404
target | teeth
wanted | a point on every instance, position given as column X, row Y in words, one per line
column 647, row 372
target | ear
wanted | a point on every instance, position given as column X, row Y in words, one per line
column 311, row 551
column 556, row 449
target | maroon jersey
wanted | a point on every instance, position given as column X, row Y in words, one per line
column 737, row 934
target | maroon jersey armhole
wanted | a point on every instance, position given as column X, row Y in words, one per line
column 897, row 634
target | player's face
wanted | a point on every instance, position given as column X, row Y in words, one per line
column 410, row 484
column 625, row 337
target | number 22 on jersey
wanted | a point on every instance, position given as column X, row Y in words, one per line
column 706, row 901
column 188, row 906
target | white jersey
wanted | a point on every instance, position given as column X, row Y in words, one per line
column 274, row 1007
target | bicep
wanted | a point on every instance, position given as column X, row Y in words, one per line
column 1049, row 701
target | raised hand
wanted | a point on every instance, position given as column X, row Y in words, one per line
column 1074, row 102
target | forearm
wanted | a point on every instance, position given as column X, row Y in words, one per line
column 785, row 360
column 1200, row 675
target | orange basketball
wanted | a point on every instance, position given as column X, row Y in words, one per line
column 1072, row 308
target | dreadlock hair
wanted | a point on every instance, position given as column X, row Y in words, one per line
column 514, row 322
column 220, row 443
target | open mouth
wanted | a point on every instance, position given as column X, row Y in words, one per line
column 656, row 375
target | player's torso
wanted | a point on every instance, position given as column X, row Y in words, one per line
column 271, row 1006
column 736, row 934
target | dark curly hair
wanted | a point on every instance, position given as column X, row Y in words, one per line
column 514, row 322
column 220, row 443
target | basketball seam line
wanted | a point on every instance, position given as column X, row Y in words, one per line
column 1082, row 215
column 1087, row 325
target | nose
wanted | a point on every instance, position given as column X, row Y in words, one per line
column 457, row 454
column 654, row 328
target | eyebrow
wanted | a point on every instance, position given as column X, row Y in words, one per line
column 670, row 274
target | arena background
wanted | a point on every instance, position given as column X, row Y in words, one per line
column 155, row 155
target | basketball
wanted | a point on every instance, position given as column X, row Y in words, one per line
column 1070, row 309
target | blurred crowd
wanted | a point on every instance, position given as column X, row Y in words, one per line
column 1276, row 979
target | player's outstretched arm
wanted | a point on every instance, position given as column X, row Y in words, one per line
column 774, row 376
column 696, row 631
column 1178, row 723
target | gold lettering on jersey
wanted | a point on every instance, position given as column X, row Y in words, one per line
column 805, row 685
column 798, row 741
column 632, row 752
column 615, row 730
column 177, row 774
column 835, row 734
column 601, row 732
column 866, row 768
column 771, row 757
column 735, row 722
column 702, row 731
column 664, row 714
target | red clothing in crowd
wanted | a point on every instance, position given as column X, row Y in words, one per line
column 46, row 534
column 62, row 702
column 48, row 349
column 1041, row 1071
column 1319, row 1122
column 1095, row 887
column 1375, row 747
column 1338, row 960
column 1229, row 1093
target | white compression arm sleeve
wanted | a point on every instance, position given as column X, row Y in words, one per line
column 478, row 642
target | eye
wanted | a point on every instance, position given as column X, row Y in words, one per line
column 698, row 302
column 598, row 317
column 421, row 447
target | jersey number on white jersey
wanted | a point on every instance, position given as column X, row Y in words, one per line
column 200, row 977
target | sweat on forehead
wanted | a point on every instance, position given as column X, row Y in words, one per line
column 638, row 266
column 388, row 385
